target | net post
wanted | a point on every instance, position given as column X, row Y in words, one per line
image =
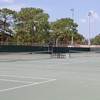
column 51, row 49
column 69, row 53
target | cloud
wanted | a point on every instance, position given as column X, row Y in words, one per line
column 7, row 1
column 95, row 15
column 15, row 7
column 83, row 20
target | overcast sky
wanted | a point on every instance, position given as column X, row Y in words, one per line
column 61, row 9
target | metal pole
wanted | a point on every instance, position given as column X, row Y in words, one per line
column 89, row 42
column 73, row 21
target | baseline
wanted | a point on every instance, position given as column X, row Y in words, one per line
column 27, row 83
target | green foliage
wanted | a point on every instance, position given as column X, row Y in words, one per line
column 34, row 22
column 63, row 29
column 7, row 18
column 96, row 40
column 31, row 25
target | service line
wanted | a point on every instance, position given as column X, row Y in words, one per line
column 27, row 85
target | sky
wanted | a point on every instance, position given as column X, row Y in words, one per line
column 58, row 9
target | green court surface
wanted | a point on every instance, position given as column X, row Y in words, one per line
column 22, row 77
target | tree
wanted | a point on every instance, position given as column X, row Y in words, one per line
column 63, row 29
column 7, row 18
column 32, row 21
column 31, row 25
column 79, row 38
column 96, row 40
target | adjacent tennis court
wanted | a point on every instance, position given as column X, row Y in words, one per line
column 40, row 77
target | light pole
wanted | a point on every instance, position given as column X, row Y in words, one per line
column 89, row 42
column 73, row 21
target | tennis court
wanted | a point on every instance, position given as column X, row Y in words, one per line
column 28, row 77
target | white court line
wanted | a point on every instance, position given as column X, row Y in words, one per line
column 16, row 81
column 24, row 86
column 23, row 76
column 52, row 66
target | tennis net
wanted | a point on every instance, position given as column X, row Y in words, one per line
column 73, row 53
column 25, row 56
